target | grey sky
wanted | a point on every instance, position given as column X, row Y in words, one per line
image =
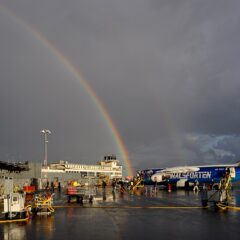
column 167, row 71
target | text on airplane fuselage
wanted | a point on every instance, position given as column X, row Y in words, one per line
column 191, row 175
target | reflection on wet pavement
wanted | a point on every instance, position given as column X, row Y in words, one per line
column 110, row 216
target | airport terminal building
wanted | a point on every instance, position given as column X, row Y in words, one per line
column 64, row 170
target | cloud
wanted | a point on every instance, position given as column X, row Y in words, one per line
column 167, row 72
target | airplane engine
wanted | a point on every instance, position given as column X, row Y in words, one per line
column 157, row 178
column 232, row 172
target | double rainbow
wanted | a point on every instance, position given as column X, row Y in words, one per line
column 78, row 75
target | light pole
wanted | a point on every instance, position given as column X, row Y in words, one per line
column 46, row 132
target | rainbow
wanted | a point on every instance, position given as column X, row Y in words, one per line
column 78, row 75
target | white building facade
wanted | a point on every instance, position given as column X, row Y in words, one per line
column 107, row 167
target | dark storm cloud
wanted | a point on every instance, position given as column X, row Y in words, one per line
column 166, row 70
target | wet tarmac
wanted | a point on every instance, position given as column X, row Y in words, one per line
column 175, row 215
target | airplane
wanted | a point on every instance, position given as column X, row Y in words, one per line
column 188, row 175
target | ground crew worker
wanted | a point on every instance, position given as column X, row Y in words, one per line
column 113, row 185
column 195, row 188
column 104, row 184
column 59, row 186
column 122, row 188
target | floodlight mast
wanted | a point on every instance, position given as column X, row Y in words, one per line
column 46, row 132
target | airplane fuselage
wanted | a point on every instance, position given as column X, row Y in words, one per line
column 191, row 174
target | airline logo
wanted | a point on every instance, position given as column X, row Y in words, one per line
column 191, row 175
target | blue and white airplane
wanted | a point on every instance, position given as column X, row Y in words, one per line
column 190, row 174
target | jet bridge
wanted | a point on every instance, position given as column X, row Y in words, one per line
column 14, row 167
